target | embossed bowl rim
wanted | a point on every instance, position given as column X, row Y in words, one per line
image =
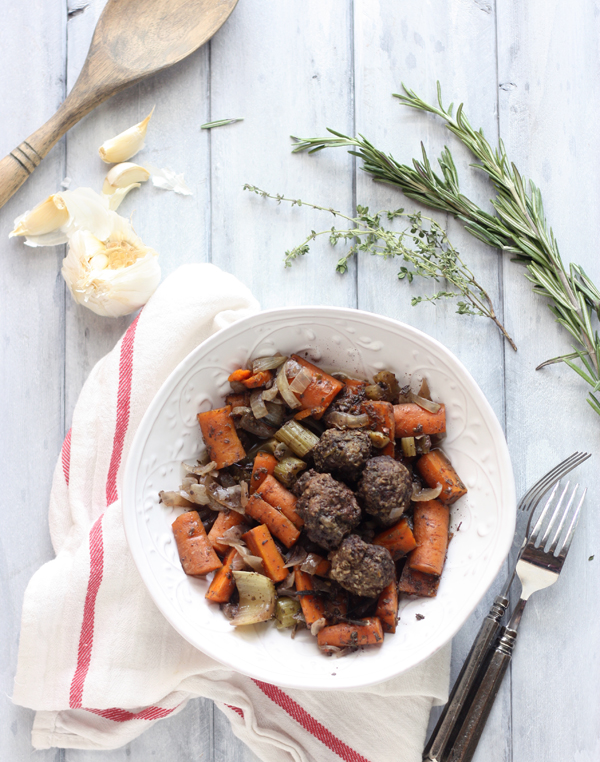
column 363, row 675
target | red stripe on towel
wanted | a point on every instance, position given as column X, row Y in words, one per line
column 122, row 715
column 65, row 455
column 86, row 636
column 123, row 405
column 308, row 722
column 236, row 709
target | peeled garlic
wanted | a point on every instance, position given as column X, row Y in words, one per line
column 59, row 216
column 114, row 200
column 113, row 276
column 124, row 175
column 45, row 218
column 126, row 144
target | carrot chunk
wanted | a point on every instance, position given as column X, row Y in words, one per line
column 321, row 391
column 220, row 437
column 275, row 494
column 223, row 584
column 261, row 544
column 258, row 379
column 416, row 583
column 264, row 465
column 224, row 521
column 277, row 523
column 435, row 468
column 354, row 385
column 196, row 554
column 241, row 374
column 387, row 607
column 412, row 420
column 397, row 539
column 303, row 414
column 342, row 635
column 313, row 607
column 381, row 414
column 431, row 520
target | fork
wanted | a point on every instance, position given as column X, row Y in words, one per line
column 488, row 633
column 537, row 568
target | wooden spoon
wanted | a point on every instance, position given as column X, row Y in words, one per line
column 132, row 39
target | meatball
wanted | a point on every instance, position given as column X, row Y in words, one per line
column 329, row 510
column 302, row 482
column 349, row 400
column 385, row 489
column 342, row 453
column 361, row 568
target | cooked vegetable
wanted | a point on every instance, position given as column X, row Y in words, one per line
column 296, row 556
column 255, row 426
column 279, row 497
column 412, row 420
column 283, row 385
column 301, row 381
column 258, row 379
column 431, row 407
column 257, row 405
column 220, row 437
column 409, row 447
column 298, row 438
column 341, row 635
column 267, row 363
column 397, row 539
column 264, row 465
column 302, row 414
column 240, row 375
column 317, row 565
column 378, row 439
column 423, row 444
column 224, row 521
column 387, row 607
column 413, row 582
column 174, row 500
column 237, row 400
column 196, row 554
column 285, row 613
column 223, row 584
column 257, row 598
column 260, row 543
column 278, row 524
column 321, row 391
column 312, row 605
column 431, row 521
column 347, row 420
column 435, row 468
column 374, row 392
column 200, row 469
column 422, row 495
column 288, row 469
column 355, row 386
column 381, row 416
column 388, row 383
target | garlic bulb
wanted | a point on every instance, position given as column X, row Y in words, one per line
column 59, row 216
column 112, row 276
column 124, row 175
column 125, row 145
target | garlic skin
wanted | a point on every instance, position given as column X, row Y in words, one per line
column 126, row 144
column 124, row 175
column 59, row 216
column 112, row 277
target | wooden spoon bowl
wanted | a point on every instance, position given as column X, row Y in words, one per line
column 132, row 39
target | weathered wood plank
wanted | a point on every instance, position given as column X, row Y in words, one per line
column 32, row 324
column 549, row 94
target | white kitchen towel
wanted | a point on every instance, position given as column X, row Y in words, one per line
column 97, row 660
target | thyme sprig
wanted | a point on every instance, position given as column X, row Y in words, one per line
column 519, row 226
column 423, row 245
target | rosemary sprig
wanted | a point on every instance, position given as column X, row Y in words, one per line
column 423, row 245
column 518, row 227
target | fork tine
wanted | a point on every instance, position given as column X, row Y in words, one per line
column 562, row 554
column 533, row 496
column 533, row 536
column 556, row 513
column 563, row 521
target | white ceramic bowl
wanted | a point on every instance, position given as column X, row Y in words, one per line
column 361, row 344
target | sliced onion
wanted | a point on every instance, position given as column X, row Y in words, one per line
column 237, row 387
column 336, row 652
column 254, row 562
column 267, row 363
column 421, row 495
column 378, row 439
column 347, row 420
column 301, row 381
column 288, row 586
column 199, row 470
column 259, row 409
column 431, row 407
column 244, row 491
column 284, row 388
column 311, row 563
column 276, row 414
column 257, row 427
column 199, row 494
column 228, row 497
column 317, row 626
column 233, row 535
column 241, row 410
column 257, row 598
column 174, row 500
column 269, row 395
column 296, row 556
column 394, row 514
column 424, row 390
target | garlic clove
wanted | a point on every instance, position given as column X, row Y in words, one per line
column 114, row 200
column 123, row 175
column 46, row 217
column 125, row 145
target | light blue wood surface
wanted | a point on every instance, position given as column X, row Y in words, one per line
column 528, row 73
